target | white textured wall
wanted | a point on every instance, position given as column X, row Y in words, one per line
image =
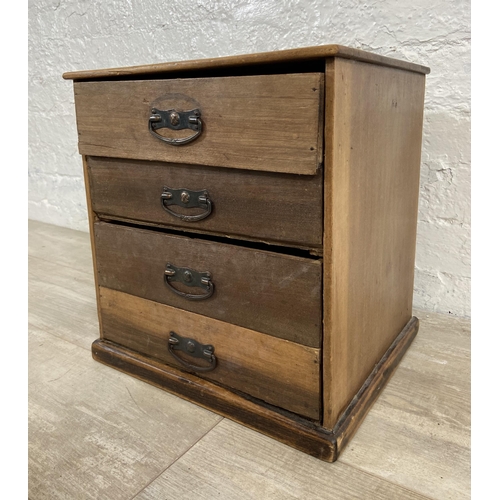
column 81, row 34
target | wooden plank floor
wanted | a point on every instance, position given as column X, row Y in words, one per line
column 97, row 433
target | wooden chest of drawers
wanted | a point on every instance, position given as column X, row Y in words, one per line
column 253, row 225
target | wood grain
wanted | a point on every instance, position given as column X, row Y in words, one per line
column 359, row 406
column 372, row 167
column 60, row 246
column 61, row 286
column 257, row 205
column 92, row 219
column 94, row 432
column 279, row 372
column 133, row 323
column 370, row 110
column 62, row 301
column 414, row 443
column 232, row 462
column 268, row 292
column 284, row 426
column 249, row 60
column 268, row 122
column 418, row 432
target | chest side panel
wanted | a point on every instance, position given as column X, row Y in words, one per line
column 373, row 141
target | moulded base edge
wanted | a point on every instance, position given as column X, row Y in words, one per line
column 291, row 429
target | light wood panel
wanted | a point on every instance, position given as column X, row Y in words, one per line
column 287, row 427
column 359, row 406
column 418, row 434
column 249, row 205
column 232, row 462
column 414, row 443
column 249, row 60
column 61, row 286
column 269, row 292
column 60, row 246
column 62, row 301
column 269, row 119
column 92, row 219
column 94, row 432
column 282, row 373
column 282, row 425
column 372, row 162
column 268, row 122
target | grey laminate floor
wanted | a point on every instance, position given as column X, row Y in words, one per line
column 97, row 433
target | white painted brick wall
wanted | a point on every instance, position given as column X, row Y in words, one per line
column 81, row 34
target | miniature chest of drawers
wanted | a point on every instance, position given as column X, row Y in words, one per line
column 253, row 225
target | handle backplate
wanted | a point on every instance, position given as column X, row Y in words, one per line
column 175, row 120
column 186, row 198
column 191, row 278
column 194, row 349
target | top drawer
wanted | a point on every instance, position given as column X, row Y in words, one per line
column 266, row 122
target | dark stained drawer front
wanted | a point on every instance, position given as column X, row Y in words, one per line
column 267, row 122
column 244, row 204
column 272, row 293
column 280, row 372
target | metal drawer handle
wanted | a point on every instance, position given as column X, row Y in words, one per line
column 192, row 348
column 189, row 277
column 188, row 199
column 175, row 120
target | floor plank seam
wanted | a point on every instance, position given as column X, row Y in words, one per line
column 40, row 260
column 52, row 334
column 436, row 369
column 59, row 263
column 178, row 458
column 88, row 299
column 385, row 480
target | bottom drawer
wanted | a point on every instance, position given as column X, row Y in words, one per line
column 277, row 371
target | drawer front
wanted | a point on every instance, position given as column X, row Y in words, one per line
column 266, row 122
column 279, row 372
column 272, row 293
column 257, row 205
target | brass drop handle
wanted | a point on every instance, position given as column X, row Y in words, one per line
column 192, row 348
column 175, row 120
column 188, row 199
column 189, row 277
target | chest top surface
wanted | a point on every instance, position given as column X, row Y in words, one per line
column 298, row 55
